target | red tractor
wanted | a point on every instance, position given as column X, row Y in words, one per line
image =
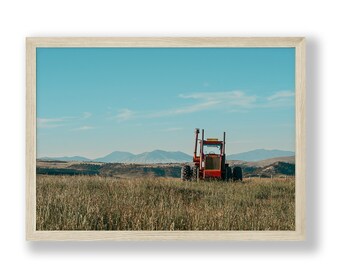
column 211, row 161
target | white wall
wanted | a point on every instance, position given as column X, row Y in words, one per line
column 317, row 20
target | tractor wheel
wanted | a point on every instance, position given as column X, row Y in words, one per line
column 229, row 174
column 195, row 174
column 237, row 173
column 186, row 173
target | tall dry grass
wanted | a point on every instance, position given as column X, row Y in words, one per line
column 97, row 203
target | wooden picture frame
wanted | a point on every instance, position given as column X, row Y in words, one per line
column 298, row 43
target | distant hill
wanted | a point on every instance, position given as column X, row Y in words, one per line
column 74, row 158
column 260, row 154
column 266, row 162
column 116, row 156
column 159, row 156
column 261, row 163
column 156, row 156
column 266, row 167
column 278, row 168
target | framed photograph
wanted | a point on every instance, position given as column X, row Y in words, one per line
column 165, row 139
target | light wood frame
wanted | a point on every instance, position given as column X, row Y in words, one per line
column 300, row 100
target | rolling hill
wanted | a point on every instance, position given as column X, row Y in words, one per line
column 74, row 158
column 261, row 163
column 260, row 154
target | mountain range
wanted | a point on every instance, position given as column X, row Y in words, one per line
column 156, row 156
column 160, row 156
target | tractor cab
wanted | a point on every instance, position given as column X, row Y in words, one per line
column 212, row 157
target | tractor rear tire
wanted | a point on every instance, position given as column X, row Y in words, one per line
column 195, row 174
column 186, row 173
column 229, row 174
column 237, row 173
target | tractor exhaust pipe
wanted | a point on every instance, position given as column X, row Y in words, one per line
column 223, row 143
column 197, row 131
column 201, row 153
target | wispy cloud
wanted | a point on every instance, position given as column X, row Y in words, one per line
column 61, row 121
column 50, row 122
column 172, row 129
column 124, row 114
column 207, row 101
column 231, row 98
column 231, row 101
column 83, row 128
column 200, row 101
column 86, row 115
column 183, row 110
column 280, row 99
column 281, row 95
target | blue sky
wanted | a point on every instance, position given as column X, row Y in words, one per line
column 92, row 101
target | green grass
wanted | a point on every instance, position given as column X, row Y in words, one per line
column 99, row 203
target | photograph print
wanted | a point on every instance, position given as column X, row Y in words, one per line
column 165, row 139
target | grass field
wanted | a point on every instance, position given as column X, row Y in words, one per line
column 103, row 203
